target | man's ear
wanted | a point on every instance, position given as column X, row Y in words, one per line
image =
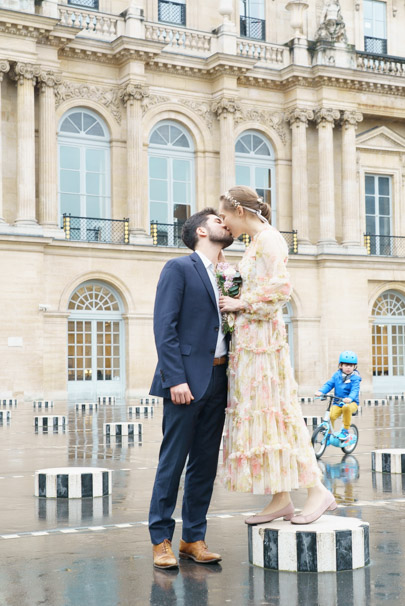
column 201, row 231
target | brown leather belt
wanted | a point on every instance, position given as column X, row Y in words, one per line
column 220, row 361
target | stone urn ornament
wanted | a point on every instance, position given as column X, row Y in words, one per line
column 296, row 9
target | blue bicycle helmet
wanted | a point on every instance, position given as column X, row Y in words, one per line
column 348, row 357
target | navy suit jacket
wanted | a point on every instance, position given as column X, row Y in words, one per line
column 186, row 327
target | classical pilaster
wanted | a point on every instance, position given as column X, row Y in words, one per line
column 225, row 109
column 4, row 68
column 350, row 201
column 25, row 74
column 48, row 170
column 133, row 95
column 298, row 120
column 325, row 120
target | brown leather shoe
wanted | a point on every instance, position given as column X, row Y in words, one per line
column 163, row 556
column 198, row 551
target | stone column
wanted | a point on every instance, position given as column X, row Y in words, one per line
column 132, row 96
column 325, row 119
column 226, row 109
column 350, row 200
column 4, row 68
column 48, row 169
column 298, row 119
column 25, row 74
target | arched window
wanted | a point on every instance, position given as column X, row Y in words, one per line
column 388, row 341
column 95, row 341
column 171, row 179
column 254, row 158
column 84, row 166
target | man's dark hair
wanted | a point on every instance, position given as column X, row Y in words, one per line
column 189, row 231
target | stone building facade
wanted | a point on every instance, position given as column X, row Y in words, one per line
column 146, row 110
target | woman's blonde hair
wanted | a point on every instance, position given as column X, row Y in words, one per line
column 244, row 196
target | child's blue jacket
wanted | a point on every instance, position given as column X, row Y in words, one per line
column 350, row 388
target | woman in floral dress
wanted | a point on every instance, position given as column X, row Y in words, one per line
column 267, row 446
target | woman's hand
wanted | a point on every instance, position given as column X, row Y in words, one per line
column 228, row 304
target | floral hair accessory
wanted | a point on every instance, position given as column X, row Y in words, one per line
column 231, row 199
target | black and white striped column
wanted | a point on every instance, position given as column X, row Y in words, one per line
column 73, row 482
column 305, row 400
column 141, row 411
column 330, row 544
column 122, row 429
column 86, row 407
column 42, row 403
column 106, row 400
column 388, row 460
column 54, row 422
column 375, row 402
column 312, row 421
column 388, row 482
column 5, row 416
column 8, row 402
column 396, row 397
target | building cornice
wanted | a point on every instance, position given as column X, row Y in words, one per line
column 44, row 30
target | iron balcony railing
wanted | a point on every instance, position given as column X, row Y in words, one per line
column 84, row 3
column 385, row 246
column 172, row 12
column 88, row 229
column 251, row 27
column 165, row 234
column 376, row 46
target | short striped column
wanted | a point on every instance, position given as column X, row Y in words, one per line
column 396, row 397
column 388, row 482
column 106, row 400
column 8, row 402
column 144, row 411
column 375, row 402
column 312, row 420
column 388, row 460
column 305, row 400
column 5, row 416
column 75, row 511
column 42, row 403
column 73, row 482
column 122, row 429
column 86, row 406
column 330, row 544
column 54, row 422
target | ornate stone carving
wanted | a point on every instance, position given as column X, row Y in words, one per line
column 268, row 118
column 4, row 68
column 27, row 71
column 225, row 106
column 152, row 100
column 106, row 96
column 133, row 91
column 50, row 79
column 351, row 118
column 201, row 108
column 332, row 27
column 299, row 114
column 326, row 114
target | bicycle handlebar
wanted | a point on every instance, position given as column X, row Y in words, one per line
column 331, row 398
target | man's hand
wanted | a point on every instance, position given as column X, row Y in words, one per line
column 181, row 394
column 347, row 400
column 227, row 304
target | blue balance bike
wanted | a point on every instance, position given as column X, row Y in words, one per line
column 324, row 435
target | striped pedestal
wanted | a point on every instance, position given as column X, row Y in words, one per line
column 396, row 398
column 106, row 400
column 330, row 544
column 141, row 411
column 311, row 421
column 86, row 407
column 122, row 429
column 152, row 401
column 5, row 416
column 388, row 482
column 306, row 400
column 388, row 460
column 8, row 402
column 75, row 511
column 42, row 404
column 375, row 402
column 73, row 482
column 54, row 422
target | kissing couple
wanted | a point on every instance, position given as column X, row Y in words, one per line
column 207, row 379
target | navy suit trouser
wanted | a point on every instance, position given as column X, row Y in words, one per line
column 195, row 431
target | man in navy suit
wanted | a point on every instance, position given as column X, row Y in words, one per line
column 191, row 377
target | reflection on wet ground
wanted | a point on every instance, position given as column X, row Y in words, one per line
column 97, row 551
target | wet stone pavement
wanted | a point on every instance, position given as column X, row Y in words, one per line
column 97, row 551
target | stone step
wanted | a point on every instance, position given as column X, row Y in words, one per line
column 388, row 460
column 330, row 544
column 73, row 482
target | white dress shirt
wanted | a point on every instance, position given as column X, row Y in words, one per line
column 221, row 348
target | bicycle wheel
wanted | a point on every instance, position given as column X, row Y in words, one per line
column 319, row 440
column 354, row 436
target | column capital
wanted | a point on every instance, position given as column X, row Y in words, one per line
column 351, row 118
column 25, row 71
column 225, row 106
column 133, row 91
column 4, row 68
column 326, row 115
column 49, row 78
column 299, row 115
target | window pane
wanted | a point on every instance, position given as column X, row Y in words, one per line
column 94, row 207
column 370, row 185
column 384, row 226
column 370, row 205
column 68, row 126
column 70, row 203
column 384, row 206
column 70, row 181
column 370, row 225
column 95, row 160
column 159, row 212
column 262, row 177
column 93, row 184
column 157, row 138
column 77, row 119
column 384, row 186
column 182, row 141
column 158, row 167
column 181, row 170
column 241, row 148
column 181, row 212
column 96, row 131
column 242, row 175
column 180, row 192
column 158, row 190
column 69, row 157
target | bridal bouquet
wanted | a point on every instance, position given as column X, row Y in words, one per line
column 229, row 282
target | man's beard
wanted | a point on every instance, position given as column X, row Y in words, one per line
column 226, row 239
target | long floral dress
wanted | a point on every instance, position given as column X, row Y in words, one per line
column 267, row 448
